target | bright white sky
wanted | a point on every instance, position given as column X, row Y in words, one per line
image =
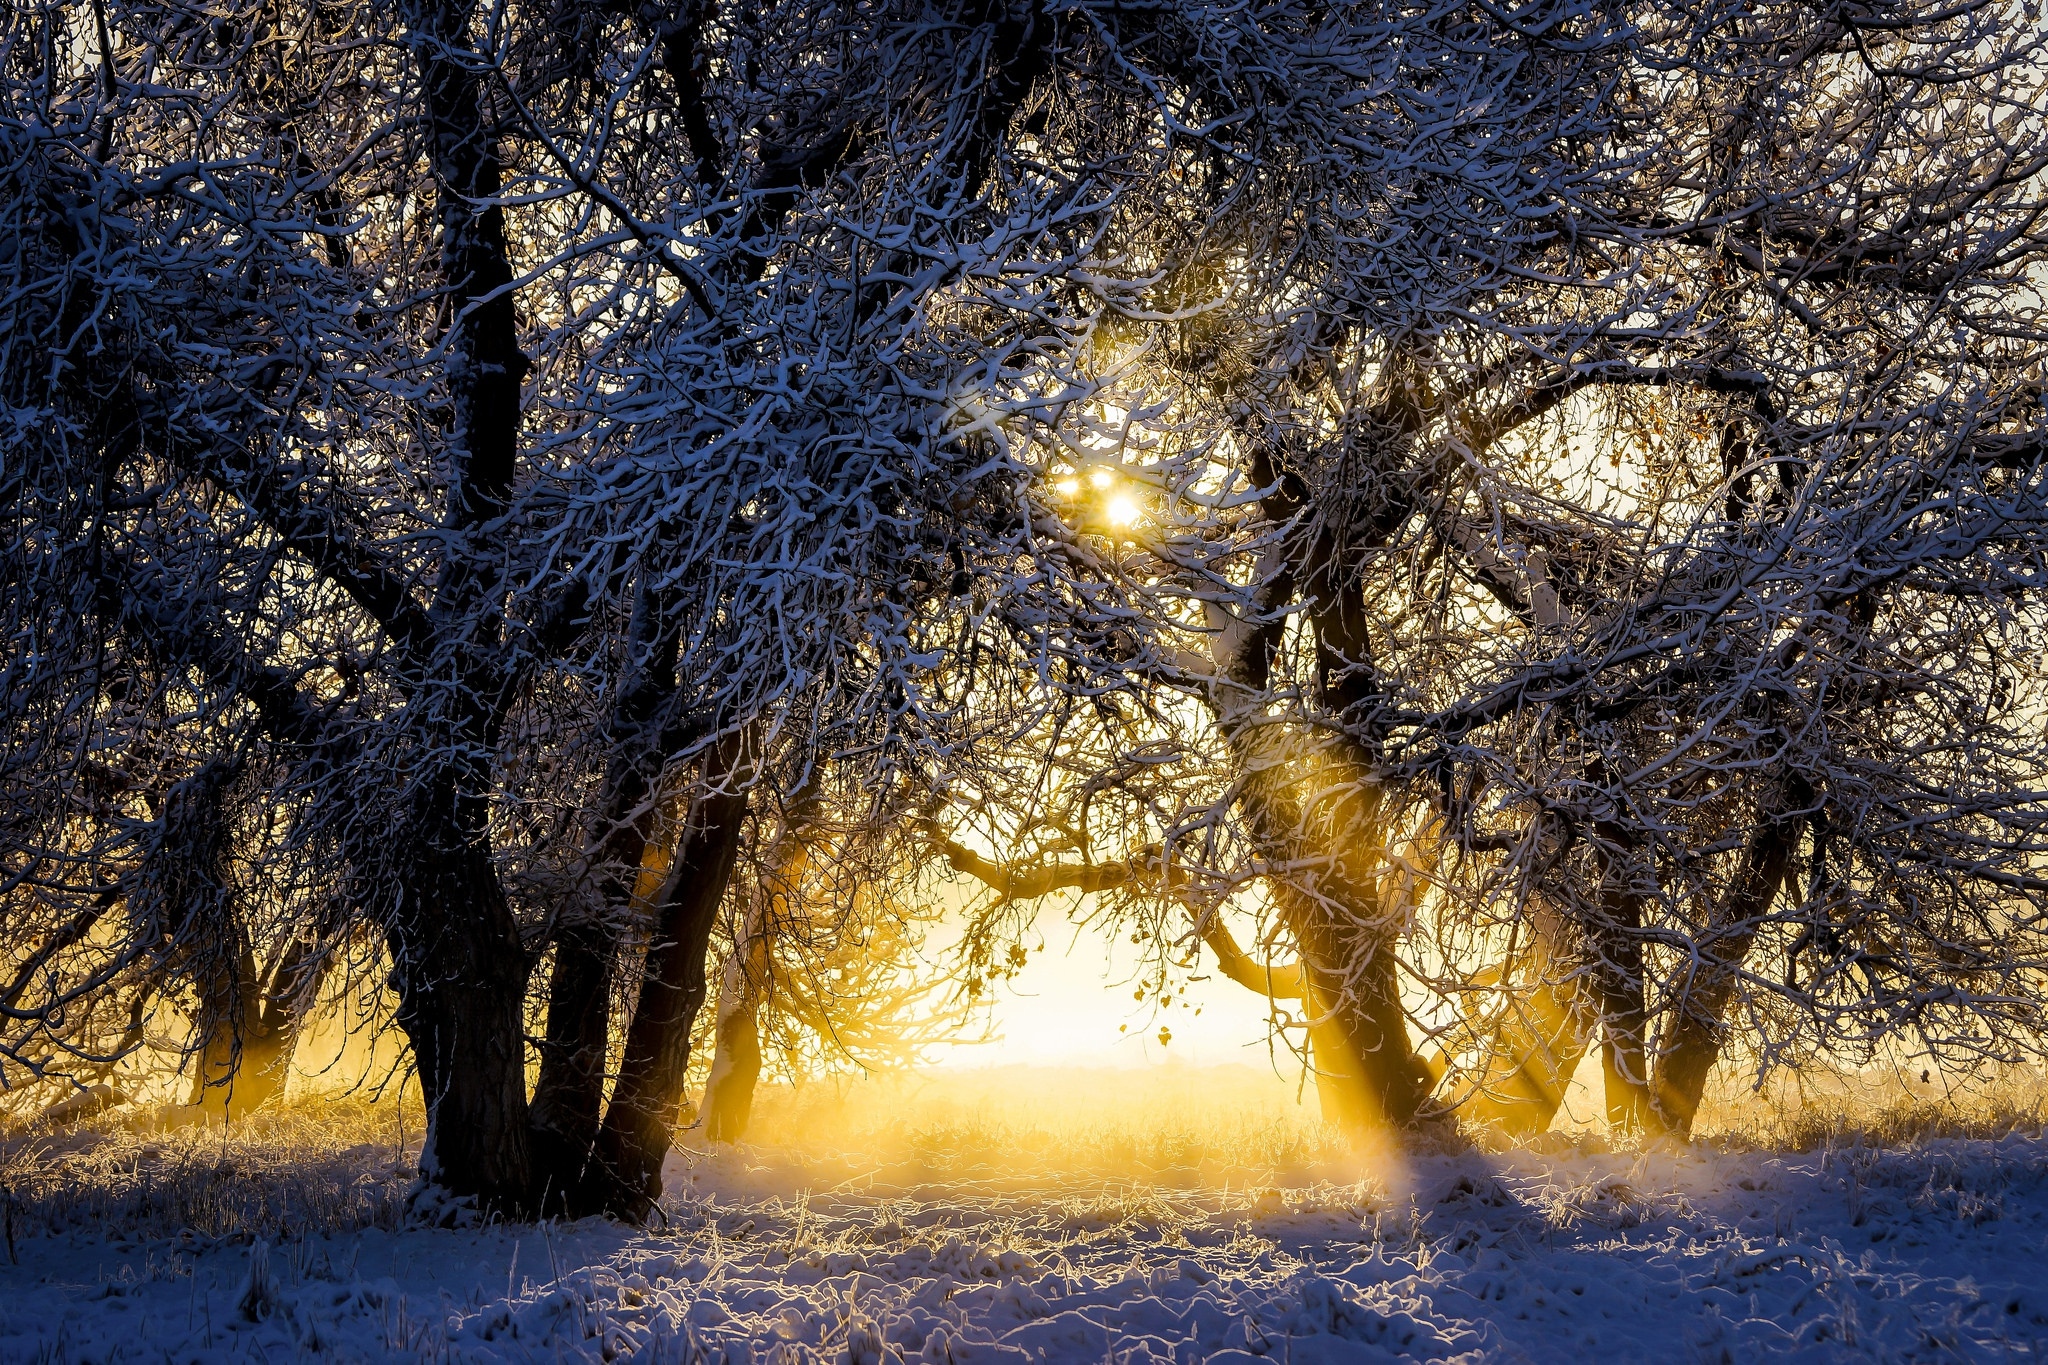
column 1065, row 1006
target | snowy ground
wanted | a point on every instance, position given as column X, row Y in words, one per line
column 1567, row 1256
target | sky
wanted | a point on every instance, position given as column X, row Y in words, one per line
column 1071, row 1005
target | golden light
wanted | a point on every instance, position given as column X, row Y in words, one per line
column 1123, row 510
column 1068, row 487
column 1102, row 478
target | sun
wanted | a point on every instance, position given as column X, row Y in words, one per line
column 1122, row 510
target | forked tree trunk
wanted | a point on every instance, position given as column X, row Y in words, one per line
column 247, row 1063
column 568, row 1100
column 243, row 1065
column 623, row 1177
column 233, row 1069
column 1573, row 996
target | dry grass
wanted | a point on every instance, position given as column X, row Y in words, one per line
column 319, row 1165
column 1126, row 1137
column 1832, row 1110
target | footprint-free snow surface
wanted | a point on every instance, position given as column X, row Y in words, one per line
column 1572, row 1257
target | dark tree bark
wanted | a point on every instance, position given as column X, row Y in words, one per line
column 1696, row 1026
column 1615, row 943
column 568, row 1096
column 459, row 964
column 1348, row 938
column 460, row 973
column 623, row 1178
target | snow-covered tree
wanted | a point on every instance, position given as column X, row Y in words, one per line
column 1544, row 503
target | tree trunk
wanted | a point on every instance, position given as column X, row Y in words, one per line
column 243, row 1068
column 568, row 1097
column 624, row 1175
column 245, row 1052
column 568, row 1094
column 1344, row 1088
column 1350, row 938
column 736, row 1065
column 749, row 975
column 1358, row 1031
column 1339, row 1075
column 460, row 973
column 1616, row 944
column 234, row 1067
column 1696, row 1026
column 1536, row 1044
column 237, row 1069
column 233, row 1084
column 459, row 965
column 736, row 1060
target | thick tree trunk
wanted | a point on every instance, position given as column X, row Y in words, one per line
column 1348, row 1085
column 624, row 1175
column 1350, row 939
column 1696, row 1026
column 459, row 965
column 1330, row 1054
column 1369, row 1073
column 1359, row 1036
column 460, row 973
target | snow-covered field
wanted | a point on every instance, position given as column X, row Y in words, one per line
column 1568, row 1254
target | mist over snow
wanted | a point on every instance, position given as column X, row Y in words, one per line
column 950, row 1246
